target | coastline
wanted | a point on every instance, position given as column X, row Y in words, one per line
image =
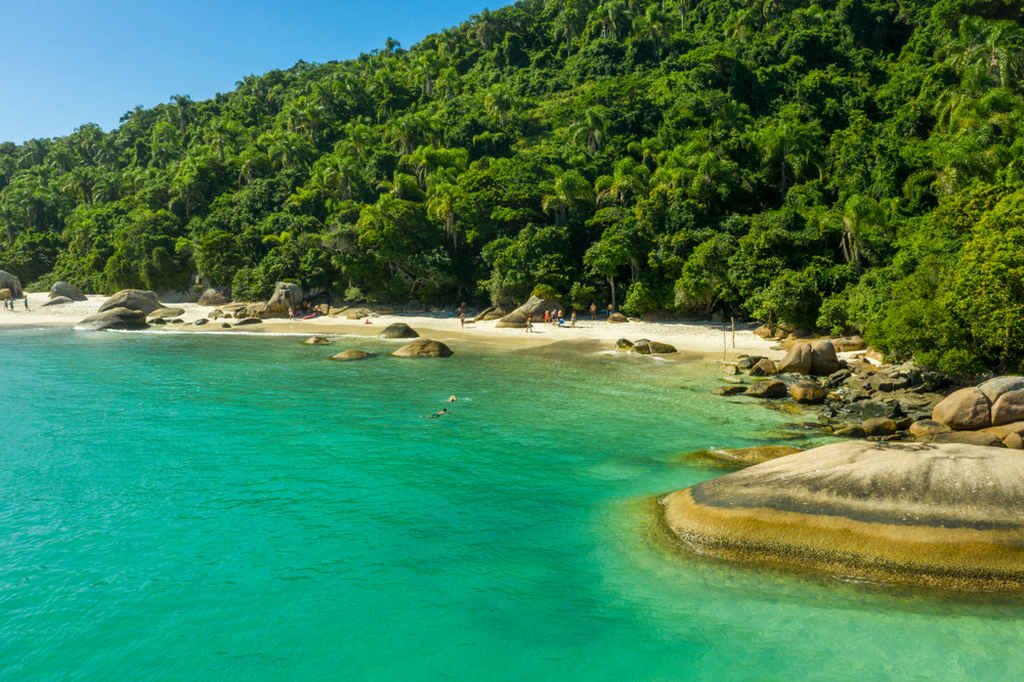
column 705, row 339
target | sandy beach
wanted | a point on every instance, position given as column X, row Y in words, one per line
column 702, row 338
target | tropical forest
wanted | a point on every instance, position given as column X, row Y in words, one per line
column 848, row 166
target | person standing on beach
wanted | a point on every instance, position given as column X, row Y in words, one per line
column 572, row 320
column 593, row 311
column 26, row 301
column 529, row 323
column 462, row 318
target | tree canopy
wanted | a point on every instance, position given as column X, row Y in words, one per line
column 854, row 165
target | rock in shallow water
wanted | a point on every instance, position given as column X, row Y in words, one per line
column 423, row 348
column 949, row 515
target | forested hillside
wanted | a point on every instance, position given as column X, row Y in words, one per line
column 854, row 165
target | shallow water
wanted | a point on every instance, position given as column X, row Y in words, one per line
column 177, row 507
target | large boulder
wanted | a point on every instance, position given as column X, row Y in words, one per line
column 845, row 344
column 617, row 318
column 115, row 319
column 823, row 358
column 214, row 297
column 132, row 299
column 398, row 330
column 949, row 515
column 423, row 348
column 797, row 361
column 534, row 307
column 965, row 409
column 1006, row 393
column 9, row 281
column 59, row 300
column 67, row 290
column 287, row 297
column 997, row 386
column 495, row 312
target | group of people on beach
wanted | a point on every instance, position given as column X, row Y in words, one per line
column 10, row 303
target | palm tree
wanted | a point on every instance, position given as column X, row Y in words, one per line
column 589, row 131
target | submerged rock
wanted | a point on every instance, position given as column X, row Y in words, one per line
column 949, row 515
column 742, row 457
column 735, row 389
column 351, row 354
column 317, row 341
column 646, row 347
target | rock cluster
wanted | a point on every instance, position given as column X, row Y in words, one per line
column 534, row 307
column 991, row 413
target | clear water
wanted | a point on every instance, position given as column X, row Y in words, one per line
column 239, row 508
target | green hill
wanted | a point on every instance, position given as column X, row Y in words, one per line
column 854, row 165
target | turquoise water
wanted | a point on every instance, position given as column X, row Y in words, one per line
column 231, row 507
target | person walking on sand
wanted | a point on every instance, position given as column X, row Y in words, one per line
column 462, row 318
column 529, row 323
column 593, row 311
column 547, row 317
column 572, row 319
column 26, row 301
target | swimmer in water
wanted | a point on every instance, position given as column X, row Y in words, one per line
column 452, row 398
column 439, row 414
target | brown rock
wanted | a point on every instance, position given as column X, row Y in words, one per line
column 398, row 330
column 850, row 431
column 879, row 426
column 969, row 438
column 645, row 347
column 351, row 354
column 1014, row 441
column 798, row 360
column 763, row 368
column 967, row 408
column 132, row 299
column 617, row 318
column 423, row 348
column 768, row 388
column 926, row 429
column 823, row 358
column 1008, row 407
column 997, row 386
column 317, row 341
column 735, row 389
column 807, row 392
column 213, row 297
column 765, row 331
column 846, row 344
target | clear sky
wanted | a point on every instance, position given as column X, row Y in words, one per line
column 68, row 62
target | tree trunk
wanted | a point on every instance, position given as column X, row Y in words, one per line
column 611, row 284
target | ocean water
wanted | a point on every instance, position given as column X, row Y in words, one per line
column 183, row 508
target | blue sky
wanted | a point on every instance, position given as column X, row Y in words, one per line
column 66, row 62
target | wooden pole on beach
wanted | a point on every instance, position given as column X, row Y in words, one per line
column 733, row 320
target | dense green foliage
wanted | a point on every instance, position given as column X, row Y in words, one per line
column 850, row 164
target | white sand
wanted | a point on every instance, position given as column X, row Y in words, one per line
column 695, row 337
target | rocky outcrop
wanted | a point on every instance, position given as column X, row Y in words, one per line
column 647, row 347
column 287, row 298
column 949, row 515
column 317, row 341
column 59, row 300
column 114, row 319
column 968, row 408
column 351, row 354
column 66, row 290
column 11, row 283
column 846, row 344
column 797, row 361
column 734, row 389
column 623, row 344
column 214, row 297
column 398, row 330
column 495, row 312
column 133, row 299
column 423, row 348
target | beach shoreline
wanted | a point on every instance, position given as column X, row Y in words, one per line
column 692, row 337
